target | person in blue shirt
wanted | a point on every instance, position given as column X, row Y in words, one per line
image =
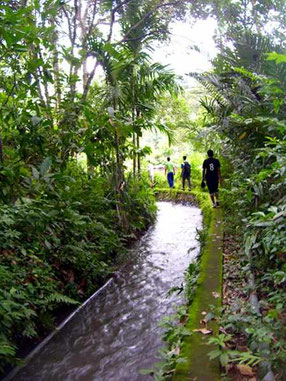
column 212, row 176
column 170, row 171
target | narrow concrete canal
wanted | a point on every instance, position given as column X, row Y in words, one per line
column 117, row 333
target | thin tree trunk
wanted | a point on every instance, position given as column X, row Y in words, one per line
column 83, row 38
column 119, row 179
column 119, row 167
column 257, row 22
column 56, row 67
column 118, row 161
column 134, row 154
column 138, row 156
column 73, row 68
column 84, row 72
column 133, row 125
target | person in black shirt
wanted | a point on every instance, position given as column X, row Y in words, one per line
column 212, row 175
column 186, row 172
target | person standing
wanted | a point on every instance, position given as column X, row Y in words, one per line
column 151, row 172
column 212, row 175
column 170, row 171
column 186, row 172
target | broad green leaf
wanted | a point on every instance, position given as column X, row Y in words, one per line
column 278, row 58
column 223, row 358
column 35, row 120
column 214, row 354
column 36, row 174
column 45, row 166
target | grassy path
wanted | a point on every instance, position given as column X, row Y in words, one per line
column 198, row 367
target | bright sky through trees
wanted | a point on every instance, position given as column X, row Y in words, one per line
column 181, row 53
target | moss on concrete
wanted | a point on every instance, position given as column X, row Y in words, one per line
column 174, row 195
column 195, row 348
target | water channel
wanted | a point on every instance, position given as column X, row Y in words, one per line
column 117, row 333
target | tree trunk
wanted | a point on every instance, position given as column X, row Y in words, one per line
column 138, row 156
column 119, row 166
column 119, row 182
column 257, row 22
column 134, row 154
column 56, row 67
column 133, row 124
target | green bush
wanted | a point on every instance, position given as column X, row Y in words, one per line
column 59, row 242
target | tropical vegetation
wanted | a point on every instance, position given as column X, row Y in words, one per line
column 68, row 205
column 73, row 192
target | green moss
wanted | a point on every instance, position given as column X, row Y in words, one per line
column 195, row 348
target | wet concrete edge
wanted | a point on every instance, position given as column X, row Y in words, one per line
column 39, row 347
column 197, row 365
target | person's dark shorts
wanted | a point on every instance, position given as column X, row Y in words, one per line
column 212, row 186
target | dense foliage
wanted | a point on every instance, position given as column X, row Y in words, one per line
column 68, row 205
column 246, row 110
column 57, row 246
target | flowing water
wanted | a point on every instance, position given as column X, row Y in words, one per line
column 117, row 332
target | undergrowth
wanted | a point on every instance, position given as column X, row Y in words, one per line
column 255, row 210
column 60, row 239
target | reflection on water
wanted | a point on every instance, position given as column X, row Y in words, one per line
column 117, row 333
